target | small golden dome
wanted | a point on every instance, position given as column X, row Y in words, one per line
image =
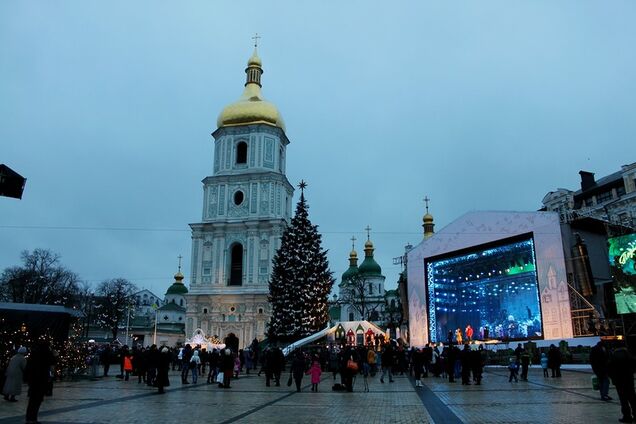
column 368, row 245
column 178, row 276
column 251, row 107
column 428, row 218
column 353, row 254
column 254, row 60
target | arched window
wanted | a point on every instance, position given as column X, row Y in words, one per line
column 241, row 152
column 236, row 265
column 392, row 303
column 370, row 288
column 181, row 302
column 350, row 316
column 205, row 310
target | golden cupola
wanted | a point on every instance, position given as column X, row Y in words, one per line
column 251, row 107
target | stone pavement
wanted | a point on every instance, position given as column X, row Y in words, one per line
column 111, row 400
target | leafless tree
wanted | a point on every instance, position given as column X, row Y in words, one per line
column 114, row 302
column 356, row 292
column 40, row 279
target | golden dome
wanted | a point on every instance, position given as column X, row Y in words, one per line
column 353, row 254
column 368, row 245
column 251, row 107
column 428, row 218
column 254, row 60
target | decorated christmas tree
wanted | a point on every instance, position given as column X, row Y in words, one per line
column 301, row 281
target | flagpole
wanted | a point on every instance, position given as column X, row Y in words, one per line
column 154, row 339
column 128, row 324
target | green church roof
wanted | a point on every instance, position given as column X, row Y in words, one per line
column 177, row 287
column 369, row 267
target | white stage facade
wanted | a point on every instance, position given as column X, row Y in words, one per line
column 501, row 272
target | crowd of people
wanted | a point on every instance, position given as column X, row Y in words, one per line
column 152, row 366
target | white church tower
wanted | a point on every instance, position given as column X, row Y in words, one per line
column 246, row 206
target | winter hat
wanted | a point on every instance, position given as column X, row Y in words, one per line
column 22, row 350
column 228, row 352
column 164, row 350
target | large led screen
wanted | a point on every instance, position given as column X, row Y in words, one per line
column 493, row 288
column 622, row 257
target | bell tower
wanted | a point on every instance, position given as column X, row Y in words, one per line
column 246, row 206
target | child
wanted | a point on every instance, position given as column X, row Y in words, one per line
column 366, row 370
column 315, row 372
column 544, row 364
column 514, row 369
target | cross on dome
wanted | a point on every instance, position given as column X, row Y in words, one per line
column 255, row 38
column 368, row 230
column 179, row 257
column 353, row 242
column 426, row 200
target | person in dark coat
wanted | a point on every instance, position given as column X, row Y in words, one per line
column 599, row 360
column 186, row 355
column 105, row 358
column 163, row 366
column 346, row 373
column 227, row 367
column 417, row 361
column 554, row 361
column 275, row 363
column 37, row 373
column 450, row 359
column 621, row 370
column 477, row 362
column 465, row 358
column 298, row 369
column 387, row 363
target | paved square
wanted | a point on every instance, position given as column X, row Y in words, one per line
column 540, row 400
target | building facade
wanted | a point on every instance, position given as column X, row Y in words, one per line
column 611, row 198
column 246, row 207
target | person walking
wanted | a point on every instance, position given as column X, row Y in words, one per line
column 315, row 371
column 163, row 366
column 621, row 370
column 513, row 367
column 599, row 360
column 298, row 369
column 417, row 361
column 14, row 375
column 37, row 374
column 387, row 363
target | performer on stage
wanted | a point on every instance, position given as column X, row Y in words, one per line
column 469, row 333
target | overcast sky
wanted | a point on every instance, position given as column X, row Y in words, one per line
column 107, row 109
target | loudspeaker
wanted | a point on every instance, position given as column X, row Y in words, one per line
column 11, row 183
